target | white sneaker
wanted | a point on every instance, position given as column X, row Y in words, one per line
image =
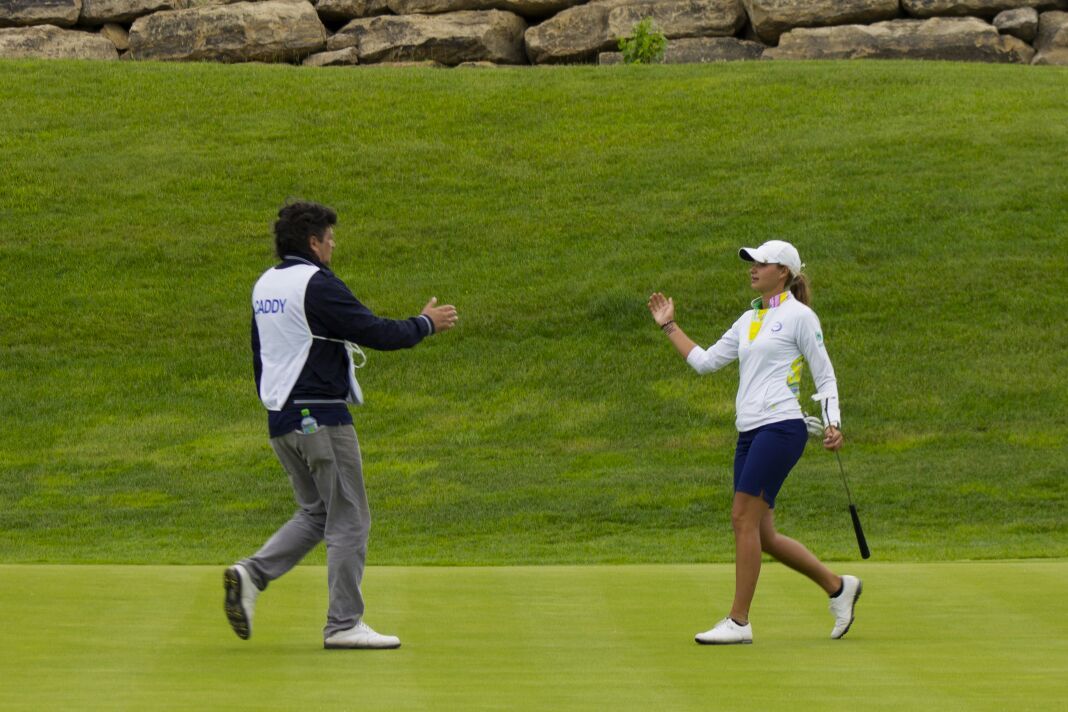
column 842, row 605
column 361, row 636
column 726, row 632
column 240, row 601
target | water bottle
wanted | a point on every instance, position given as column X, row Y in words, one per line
column 308, row 424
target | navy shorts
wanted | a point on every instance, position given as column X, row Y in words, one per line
column 765, row 456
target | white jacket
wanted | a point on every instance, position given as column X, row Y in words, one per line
column 770, row 366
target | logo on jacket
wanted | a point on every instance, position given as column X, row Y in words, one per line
column 777, row 326
column 268, row 306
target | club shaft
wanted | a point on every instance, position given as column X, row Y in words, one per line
column 862, row 541
column 845, row 482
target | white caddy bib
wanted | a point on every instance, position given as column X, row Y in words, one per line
column 286, row 338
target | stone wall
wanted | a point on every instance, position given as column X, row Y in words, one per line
column 516, row 32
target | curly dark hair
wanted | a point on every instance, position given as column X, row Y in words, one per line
column 297, row 223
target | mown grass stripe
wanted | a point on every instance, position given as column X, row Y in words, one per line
column 974, row 635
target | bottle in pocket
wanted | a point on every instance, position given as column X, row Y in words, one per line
column 308, row 424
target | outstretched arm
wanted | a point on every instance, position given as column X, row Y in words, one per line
column 663, row 310
column 701, row 360
column 334, row 312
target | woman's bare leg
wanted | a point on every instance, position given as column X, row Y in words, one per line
column 794, row 554
column 746, row 515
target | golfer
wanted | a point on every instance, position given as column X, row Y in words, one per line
column 771, row 341
column 306, row 324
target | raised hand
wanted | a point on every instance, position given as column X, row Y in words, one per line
column 444, row 317
column 662, row 308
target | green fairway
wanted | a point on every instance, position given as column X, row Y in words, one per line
column 975, row 636
column 555, row 424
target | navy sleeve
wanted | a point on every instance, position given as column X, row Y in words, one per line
column 257, row 363
column 334, row 312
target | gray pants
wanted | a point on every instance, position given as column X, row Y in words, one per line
column 327, row 477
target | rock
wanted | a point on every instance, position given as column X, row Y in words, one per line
column 1021, row 22
column 679, row 18
column 523, row 8
column 699, row 50
column 1051, row 42
column 20, row 13
column 977, row 8
column 770, row 18
column 574, row 35
column 345, row 10
column 580, row 33
column 450, row 39
column 118, row 36
column 270, row 31
column 961, row 39
column 419, row 64
column 1019, row 51
column 99, row 12
column 51, row 42
column 338, row 58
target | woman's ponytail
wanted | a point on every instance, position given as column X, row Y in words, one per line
column 801, row 289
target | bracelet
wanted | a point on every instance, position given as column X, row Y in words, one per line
column 664, row 326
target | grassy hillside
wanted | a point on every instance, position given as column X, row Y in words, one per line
column 555, row 424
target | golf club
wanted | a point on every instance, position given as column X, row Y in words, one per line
column 862, row 542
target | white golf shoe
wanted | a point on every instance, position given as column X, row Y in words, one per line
column 240, row 601
column 726, row 632
column 361, row 636
column 842, row 605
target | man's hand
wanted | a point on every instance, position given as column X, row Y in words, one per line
column 832, row 438
column 444, row 317
column 662, row 308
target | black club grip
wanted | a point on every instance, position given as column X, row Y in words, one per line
column 865, row 553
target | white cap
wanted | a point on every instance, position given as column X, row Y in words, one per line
column 774, row 252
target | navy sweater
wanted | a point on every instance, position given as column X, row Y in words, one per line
column 332, row 311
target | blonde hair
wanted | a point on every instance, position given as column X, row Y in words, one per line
column 800, row 288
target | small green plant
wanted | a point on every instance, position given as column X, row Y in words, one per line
column 645, row 45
